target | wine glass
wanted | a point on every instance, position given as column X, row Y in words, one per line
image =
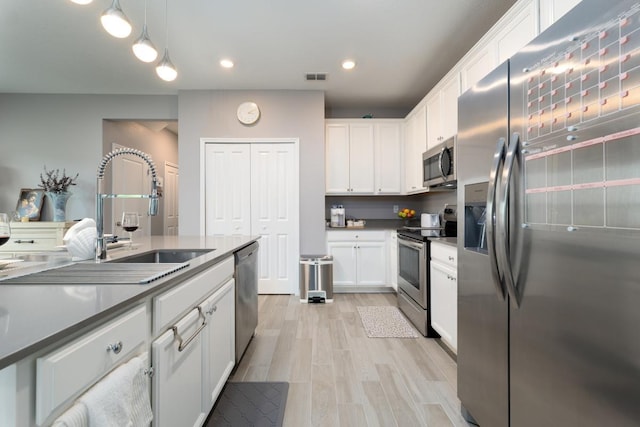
column 5, row 229
column 130, row 223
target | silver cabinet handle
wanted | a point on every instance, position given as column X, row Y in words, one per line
column 116, row 347
column 24, row 241
column 183, row 344
column 212, row 310
column 498, row 162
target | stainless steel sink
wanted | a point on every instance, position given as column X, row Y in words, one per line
column 163, row 256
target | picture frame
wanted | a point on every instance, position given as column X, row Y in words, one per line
column 30, row 203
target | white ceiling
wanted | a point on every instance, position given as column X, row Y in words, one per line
column 402, row 47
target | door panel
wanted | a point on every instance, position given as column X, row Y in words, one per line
column 170, row 195
column 131, row 175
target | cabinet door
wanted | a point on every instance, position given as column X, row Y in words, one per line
column 519, row 30
column 444, row 303
column 218, row 342
column 476, row 67
column 552, row 10
column 416, row 144
column 228, row 201
column 371, row 263
column 361, row 158
column 388, row 176
column 434, row 128
column 177, row 377
column 344, row 262
column 337, row 158
column 449, row 98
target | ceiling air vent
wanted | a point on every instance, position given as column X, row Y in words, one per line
column 315, row 76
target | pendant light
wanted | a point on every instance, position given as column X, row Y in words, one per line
column 115, row 22
column 143, row 48
column 165, row 69
column 82, row 2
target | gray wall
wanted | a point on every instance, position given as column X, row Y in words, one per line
column 161, row 145
column 64, row 131
column 284, row 114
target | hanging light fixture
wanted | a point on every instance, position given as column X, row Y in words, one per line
column 115, row 22
column 82, row 2
column 143, row 48
column 165, row 68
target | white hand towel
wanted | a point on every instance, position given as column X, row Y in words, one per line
column 121, row 399
column 76, row 416
column 80, row 239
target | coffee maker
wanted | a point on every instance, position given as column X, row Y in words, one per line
column 337, row 216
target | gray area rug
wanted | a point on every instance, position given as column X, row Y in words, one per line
column 255, row 404
column 386, row 322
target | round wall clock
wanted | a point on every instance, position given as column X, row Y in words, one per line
column 248, row 113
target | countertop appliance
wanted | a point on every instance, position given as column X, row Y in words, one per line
column 338, row 216
column 414, row 289
column 549, row 178
column 439, row 166
column 246, row 276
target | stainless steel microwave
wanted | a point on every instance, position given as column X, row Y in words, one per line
column 439, row 166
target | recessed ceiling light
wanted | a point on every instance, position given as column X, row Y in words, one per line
column 348, row 64
column 226, row 63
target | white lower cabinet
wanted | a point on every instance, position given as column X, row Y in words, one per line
column 65, row 372
column 359, row 257
column 444, row 293
column 218, row 342
column 177, row 377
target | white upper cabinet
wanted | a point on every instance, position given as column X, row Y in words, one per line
column 517, row 31
column 552, row 10
column 388, row 142
column 349, row 158
column 476, row 66
column 415, row 144
column 363, row 156
column 442, row 110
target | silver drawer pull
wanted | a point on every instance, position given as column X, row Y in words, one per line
column 451, row 258
column 212, row 310
column 116, row 348
column 24, row 241
column 182, row 345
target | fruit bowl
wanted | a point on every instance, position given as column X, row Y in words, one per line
column 406, row 213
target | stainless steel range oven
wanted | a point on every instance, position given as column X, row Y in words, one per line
column 413, row 281
column 414, row 254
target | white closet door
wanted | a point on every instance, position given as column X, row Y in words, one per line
column 228, row 189
column 170, row 194
column 274, row 207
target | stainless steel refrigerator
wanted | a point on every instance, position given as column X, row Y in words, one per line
column 549, row 244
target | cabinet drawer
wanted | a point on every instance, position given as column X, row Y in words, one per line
column 170, row 305
column 356, row 236
column 29, row 244
column 446, row 254
column 67, row 371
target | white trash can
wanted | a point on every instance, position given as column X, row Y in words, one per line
column 316, row 278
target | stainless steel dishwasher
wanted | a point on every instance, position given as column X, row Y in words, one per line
column 246, row 275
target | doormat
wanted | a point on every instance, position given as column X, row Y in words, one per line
column 385, row 322
column 259, row 404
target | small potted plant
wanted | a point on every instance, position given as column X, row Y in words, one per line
column 56, row 188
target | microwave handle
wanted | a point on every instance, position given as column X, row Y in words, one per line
column 440, row 163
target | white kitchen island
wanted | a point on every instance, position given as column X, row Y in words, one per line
column 38, row 323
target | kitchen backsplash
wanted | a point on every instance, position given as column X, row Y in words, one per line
column 381, row 207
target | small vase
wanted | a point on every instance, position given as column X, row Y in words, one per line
column 58, row 204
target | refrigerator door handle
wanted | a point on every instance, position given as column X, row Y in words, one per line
column 498, row 163
column 502, row 220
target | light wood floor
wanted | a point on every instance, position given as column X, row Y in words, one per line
column 339, row 377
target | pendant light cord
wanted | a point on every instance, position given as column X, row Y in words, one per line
column 166, row 21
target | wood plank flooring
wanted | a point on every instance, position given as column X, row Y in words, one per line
column 340, row 377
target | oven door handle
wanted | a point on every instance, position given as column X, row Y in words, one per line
column 410, row 243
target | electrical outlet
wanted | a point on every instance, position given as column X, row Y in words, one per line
column 395, row 209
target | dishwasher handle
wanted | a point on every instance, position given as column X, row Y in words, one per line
column 182, row 344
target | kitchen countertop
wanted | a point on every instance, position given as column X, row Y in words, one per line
column 35, row 316
column 451, row 241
